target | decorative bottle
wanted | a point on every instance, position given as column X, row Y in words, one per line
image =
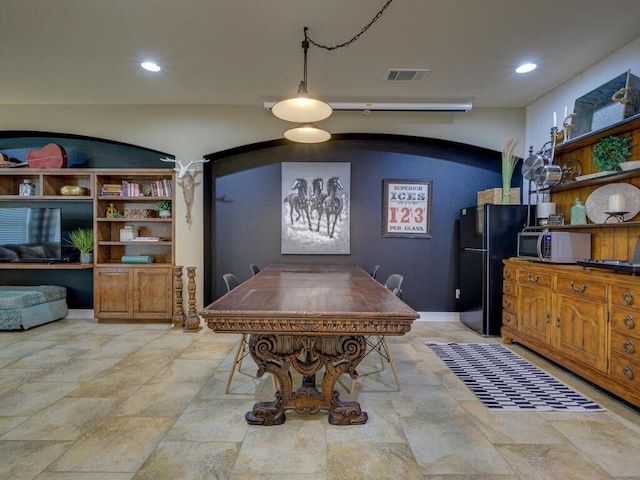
column 27, row 189
column 578, row 213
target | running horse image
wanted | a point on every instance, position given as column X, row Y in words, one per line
column 299, row 202
column 317, row 199
column 332, row 205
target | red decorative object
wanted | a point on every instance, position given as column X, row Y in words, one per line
column 50, row 156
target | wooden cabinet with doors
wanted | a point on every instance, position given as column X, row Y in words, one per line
column 585, row 319
column 579, row 321
column 133, row 274
column 534, row 303
column 138, row 293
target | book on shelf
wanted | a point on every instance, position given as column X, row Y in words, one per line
column 155, row 188
column 162, row 188
column 111, row 189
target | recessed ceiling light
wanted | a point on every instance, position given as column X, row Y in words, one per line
column 526, row 68
column 150, row 66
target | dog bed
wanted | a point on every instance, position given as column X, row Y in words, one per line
column 25, row 307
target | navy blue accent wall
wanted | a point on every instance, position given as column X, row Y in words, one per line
column 243, row 207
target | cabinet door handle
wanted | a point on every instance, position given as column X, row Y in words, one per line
column 507, row 288
column 507, row 303
column 549, row 318
column 628, row 322
column 557, row 322
column 628, row 346
column 627, row 298
column 578, row 289
column 507, row 273
column 628, row 372
column 532, row 279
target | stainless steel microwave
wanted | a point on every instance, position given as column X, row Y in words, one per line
column 554, row 247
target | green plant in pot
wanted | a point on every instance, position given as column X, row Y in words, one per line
column 164, row 207
column 82, row 240
column 611, row 151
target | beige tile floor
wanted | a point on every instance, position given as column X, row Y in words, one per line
column 86, row 401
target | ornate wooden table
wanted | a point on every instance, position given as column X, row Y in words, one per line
column 309, row 317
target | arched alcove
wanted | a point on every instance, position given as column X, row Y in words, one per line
column 243, row 208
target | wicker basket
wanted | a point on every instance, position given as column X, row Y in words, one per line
column 494, row 195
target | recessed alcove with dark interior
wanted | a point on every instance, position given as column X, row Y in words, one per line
column 82, row 152
column 243, row 205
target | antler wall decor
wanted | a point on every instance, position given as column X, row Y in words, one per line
column 186, row 179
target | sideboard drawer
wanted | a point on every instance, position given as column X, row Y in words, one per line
column 509, row 287
column 581, row 287
column 625, row 346
column 625, row 295
column 625, row 321
column 534, row 277
column 625, row 372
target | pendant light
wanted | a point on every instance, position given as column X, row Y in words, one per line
column 302, row 108
column 307, row 133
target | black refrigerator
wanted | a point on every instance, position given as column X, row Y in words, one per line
column 488, row 234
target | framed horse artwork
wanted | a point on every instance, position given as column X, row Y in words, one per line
column 316, row 208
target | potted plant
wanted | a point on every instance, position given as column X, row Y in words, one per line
column 164, row 207
column 82, row 240
column 611, row 151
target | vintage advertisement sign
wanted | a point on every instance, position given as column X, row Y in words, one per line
column 407, row 208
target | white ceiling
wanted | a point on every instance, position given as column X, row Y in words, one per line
column 236, row 52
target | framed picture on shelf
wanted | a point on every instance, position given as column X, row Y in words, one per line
column 406, row 206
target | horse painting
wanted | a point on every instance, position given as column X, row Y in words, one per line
column 299, row 202
column 332, row 205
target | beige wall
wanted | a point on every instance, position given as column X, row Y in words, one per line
column 189, row 132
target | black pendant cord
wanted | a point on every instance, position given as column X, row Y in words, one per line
column 349, row 42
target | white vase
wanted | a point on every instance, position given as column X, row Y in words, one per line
column 165, row 214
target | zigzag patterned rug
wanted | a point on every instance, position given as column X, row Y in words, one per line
column 505, row 381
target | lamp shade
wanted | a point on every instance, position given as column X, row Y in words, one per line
column 307, row 133
column 302, row 109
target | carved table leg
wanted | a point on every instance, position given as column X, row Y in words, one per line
column 276, row 354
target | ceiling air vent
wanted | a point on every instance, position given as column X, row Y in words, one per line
column 406, row 74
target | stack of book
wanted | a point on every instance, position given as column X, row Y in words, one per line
column 111, row 189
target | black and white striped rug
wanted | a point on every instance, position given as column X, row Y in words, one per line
column 505, row 381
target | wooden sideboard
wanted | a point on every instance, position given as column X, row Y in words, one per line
column 586, row 320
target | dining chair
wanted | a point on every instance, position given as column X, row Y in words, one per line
column 379, row 343
column 394, row 283
column 231, row 281
column 254, row 268
column 374, row 271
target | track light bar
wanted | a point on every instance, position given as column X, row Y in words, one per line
column 395, row 106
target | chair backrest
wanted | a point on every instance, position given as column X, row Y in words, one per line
column 231, row 281
column 374, row 271
column 394, row 283
column 254, row 268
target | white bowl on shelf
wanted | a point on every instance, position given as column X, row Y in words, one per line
column 631, row 165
